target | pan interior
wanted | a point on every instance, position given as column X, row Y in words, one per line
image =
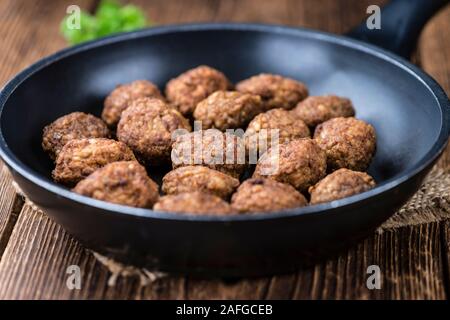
column 403, row 111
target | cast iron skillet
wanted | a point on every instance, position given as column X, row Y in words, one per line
column 408, row 109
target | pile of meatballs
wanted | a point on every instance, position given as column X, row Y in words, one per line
column 323, row 153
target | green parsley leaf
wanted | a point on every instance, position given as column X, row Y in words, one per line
column 110, row 18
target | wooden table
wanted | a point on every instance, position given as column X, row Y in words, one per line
column 35, row 252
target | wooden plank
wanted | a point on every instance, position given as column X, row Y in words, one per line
column 10, row 206
column 39, row 252
column 29, row 31
column 445, row 226
column 328, row 15
column 409, row 260
column 434, row 49
column 36, row 258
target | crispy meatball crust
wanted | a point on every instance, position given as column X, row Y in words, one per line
column 340, row 184
column 315, row 110
column 124, row 182
column 76, row 125
column 276, row 91
column 119, row 99
column 147, row 125
column 265, row 195
column 228, row 110
column 212, row 148
column 348, row 142
column 290, row 128
column 195, row 203
column 198, row 178
column 300, row 163
column 81, row 157
column 192, row 86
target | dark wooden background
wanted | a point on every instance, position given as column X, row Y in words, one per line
column 35, row 252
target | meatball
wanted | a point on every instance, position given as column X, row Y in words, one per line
column 228, row 110
column 147, row 125
column 276, row 91
column 196, row 203
column 124, row 182
column 212, row 148
column 318, row 109
column 80, row 157
column 301, row 163
column 76, row 125
column 198, row 178
column 191, row 87
column 258, row 135
column 120, row 98
column 340, row 184
column 264, row 195
column 348, row 142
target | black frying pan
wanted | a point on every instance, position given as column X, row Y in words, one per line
column 408, row 109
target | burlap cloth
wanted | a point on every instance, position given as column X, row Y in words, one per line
column 430, row 204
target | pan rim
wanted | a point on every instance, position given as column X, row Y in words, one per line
column 435, row 151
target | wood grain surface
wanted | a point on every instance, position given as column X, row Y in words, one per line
column 35, row 252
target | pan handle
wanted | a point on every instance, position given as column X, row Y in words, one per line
column 401, row 24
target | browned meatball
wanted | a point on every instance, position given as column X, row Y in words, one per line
column 191, row 87
column 196, row 203
column 340, row 184
column 212, row 148
column 300, row 163
column 119, row 99
column 76, row 125
column 318, row 109
column 227, row 110
column 80, row 157
column 198, row 178
column 348, row 142
column 264, row 195
column 147, row 125
column 124, row 182
column 276, row 91
column 258, row 135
